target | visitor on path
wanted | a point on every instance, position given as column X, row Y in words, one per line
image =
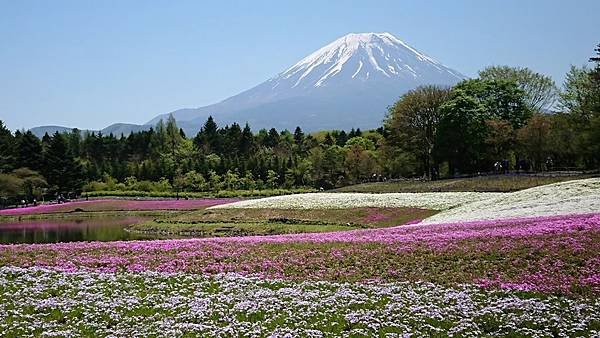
column 497, row 167
column 549, row 163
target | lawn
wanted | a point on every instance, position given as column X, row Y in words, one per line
column 494, row 183
column 245, row 222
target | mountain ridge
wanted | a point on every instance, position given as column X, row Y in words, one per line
column 348, row 83
column 375, row 67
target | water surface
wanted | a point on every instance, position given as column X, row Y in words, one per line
column 70, row 230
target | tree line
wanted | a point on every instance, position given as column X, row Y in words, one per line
column 512, row 117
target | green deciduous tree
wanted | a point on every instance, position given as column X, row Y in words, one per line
column 540, row 90
column 32, row 183
column 413, row 123
column 534, row 138
column 464, row 126
column 578, row 94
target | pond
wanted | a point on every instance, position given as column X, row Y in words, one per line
column 70, row 230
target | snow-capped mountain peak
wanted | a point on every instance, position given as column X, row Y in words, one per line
column 362, row 56
column 348, row 83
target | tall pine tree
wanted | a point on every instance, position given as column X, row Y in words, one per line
column 7, row 149
column 29, row 152
column 62, row 171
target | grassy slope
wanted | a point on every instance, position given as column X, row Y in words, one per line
column 240, row 222
column 497, row 183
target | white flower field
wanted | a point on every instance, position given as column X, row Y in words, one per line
column 577, row 196
column 430, row 200
column 39, row 302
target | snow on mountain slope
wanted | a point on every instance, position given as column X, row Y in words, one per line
column 364, row 57
column 348, row 83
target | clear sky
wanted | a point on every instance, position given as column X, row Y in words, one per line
column 88, row 64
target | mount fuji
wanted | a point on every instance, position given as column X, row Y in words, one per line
column 348, row 83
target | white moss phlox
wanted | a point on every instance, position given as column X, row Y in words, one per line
column 565, row 198
column 433, row 200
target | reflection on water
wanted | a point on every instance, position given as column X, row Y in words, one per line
column 70, row 230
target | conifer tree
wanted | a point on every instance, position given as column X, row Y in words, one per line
column 7, row 149
column 29, row 152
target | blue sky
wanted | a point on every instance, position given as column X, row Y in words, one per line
column 88, row 64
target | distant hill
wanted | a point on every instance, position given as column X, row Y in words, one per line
column 40, row 131
column 119, row 129
column 116, row 129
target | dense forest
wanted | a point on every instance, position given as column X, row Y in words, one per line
column 506, row 119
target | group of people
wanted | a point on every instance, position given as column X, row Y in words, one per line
column 25, row 203
column 502, row 167
column 60, row 198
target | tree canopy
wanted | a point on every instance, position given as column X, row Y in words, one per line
column 540, row 90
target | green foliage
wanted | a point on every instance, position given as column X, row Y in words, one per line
column 535, row 141
column 578, row 92
column 272, row 178
column 581, row 99
column 540, row 90
column 32, row 183
column 413, row 123
column 21, row 184
column 217, row 194
column 28, row 152
column 7, row 149
column 462, row 131
column 63, row 172
column 501, row 99
column 362, row 142
column 108, row 183
column 466, row 133
column 10, row 188
column 191, row 181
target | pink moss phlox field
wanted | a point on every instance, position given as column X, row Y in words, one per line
column 119, row 204
column 548, row 254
